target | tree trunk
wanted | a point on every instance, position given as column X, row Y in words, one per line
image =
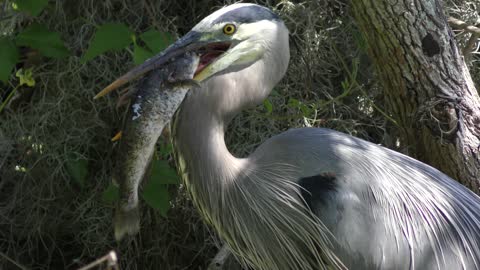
column 428, row 88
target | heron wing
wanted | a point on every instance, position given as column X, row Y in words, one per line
column 385, row 210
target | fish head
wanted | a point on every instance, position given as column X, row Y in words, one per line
column 229, row 39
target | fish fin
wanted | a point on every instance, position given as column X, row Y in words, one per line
column 126, row 222
column 187, row 83
column 125, row 97
column 117, row 136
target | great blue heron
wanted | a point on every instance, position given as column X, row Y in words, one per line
column 309, row 198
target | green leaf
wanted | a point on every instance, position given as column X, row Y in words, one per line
column 268, row 106
column 111, row 194
column 306, row 111
column 110, row 36
column 163, row 173
column 8, row 58
column 155, row 192
column 345, row 85
column 26, row 77
column 39, row 37
column 360, row 40
column 140, row 54
column 78, row 170
column 165, row 149
column 156, row 196
column 34, row 7
column 157, row 41
column 274, row 93
column 293, row 103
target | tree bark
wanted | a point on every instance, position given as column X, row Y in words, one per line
column 428, row 88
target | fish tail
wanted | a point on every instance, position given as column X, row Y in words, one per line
column 126, row 221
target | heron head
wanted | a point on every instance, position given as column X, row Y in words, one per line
column 230, row 39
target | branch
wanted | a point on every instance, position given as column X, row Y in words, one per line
column 220, row 259
column 110, row 258
column 469, row 28
column 13, row 261
column 463, row 25
column 470, row 46
column 224, row 260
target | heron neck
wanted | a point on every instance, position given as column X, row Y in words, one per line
column 204, row 161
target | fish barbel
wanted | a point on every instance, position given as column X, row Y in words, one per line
column 158, row 96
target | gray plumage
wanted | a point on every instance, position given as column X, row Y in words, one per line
column 246, row 14
column 386, row 211
column 308, row 198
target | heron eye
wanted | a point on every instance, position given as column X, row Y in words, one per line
column 229, row 29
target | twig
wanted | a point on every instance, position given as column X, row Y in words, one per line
column 9, row 97
column 12, row 261
column 353, row 81
column 220, row 259
column 463, row 25
column 4, row 8
column 224, row 260
column 307, row 64
column 152, row 16
column 469, row 28
column 6, row 18
column 470, row 46
column 110, row 258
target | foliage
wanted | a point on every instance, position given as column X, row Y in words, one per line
column 156, row 41
column 111, row 194
column 155, row 192
column 8, row 57
column 25, row 77
column 37, row 36
column 32, row 7
column 268, row 106
column 30, row 50
column 140, row 54
column 110, row 36
column 117, row 36
column 78, row 170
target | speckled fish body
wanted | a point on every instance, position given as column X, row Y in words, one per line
column 156, row 100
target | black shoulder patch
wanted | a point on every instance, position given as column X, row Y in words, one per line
column 314, row 188
column 247, row 14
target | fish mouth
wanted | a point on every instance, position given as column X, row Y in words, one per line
column 210, row 53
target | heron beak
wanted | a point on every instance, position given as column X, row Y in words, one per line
column 192, row 41
column 222, row 55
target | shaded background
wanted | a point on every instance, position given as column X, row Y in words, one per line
column 53, row 132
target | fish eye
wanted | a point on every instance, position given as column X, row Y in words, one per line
column 229, row 29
